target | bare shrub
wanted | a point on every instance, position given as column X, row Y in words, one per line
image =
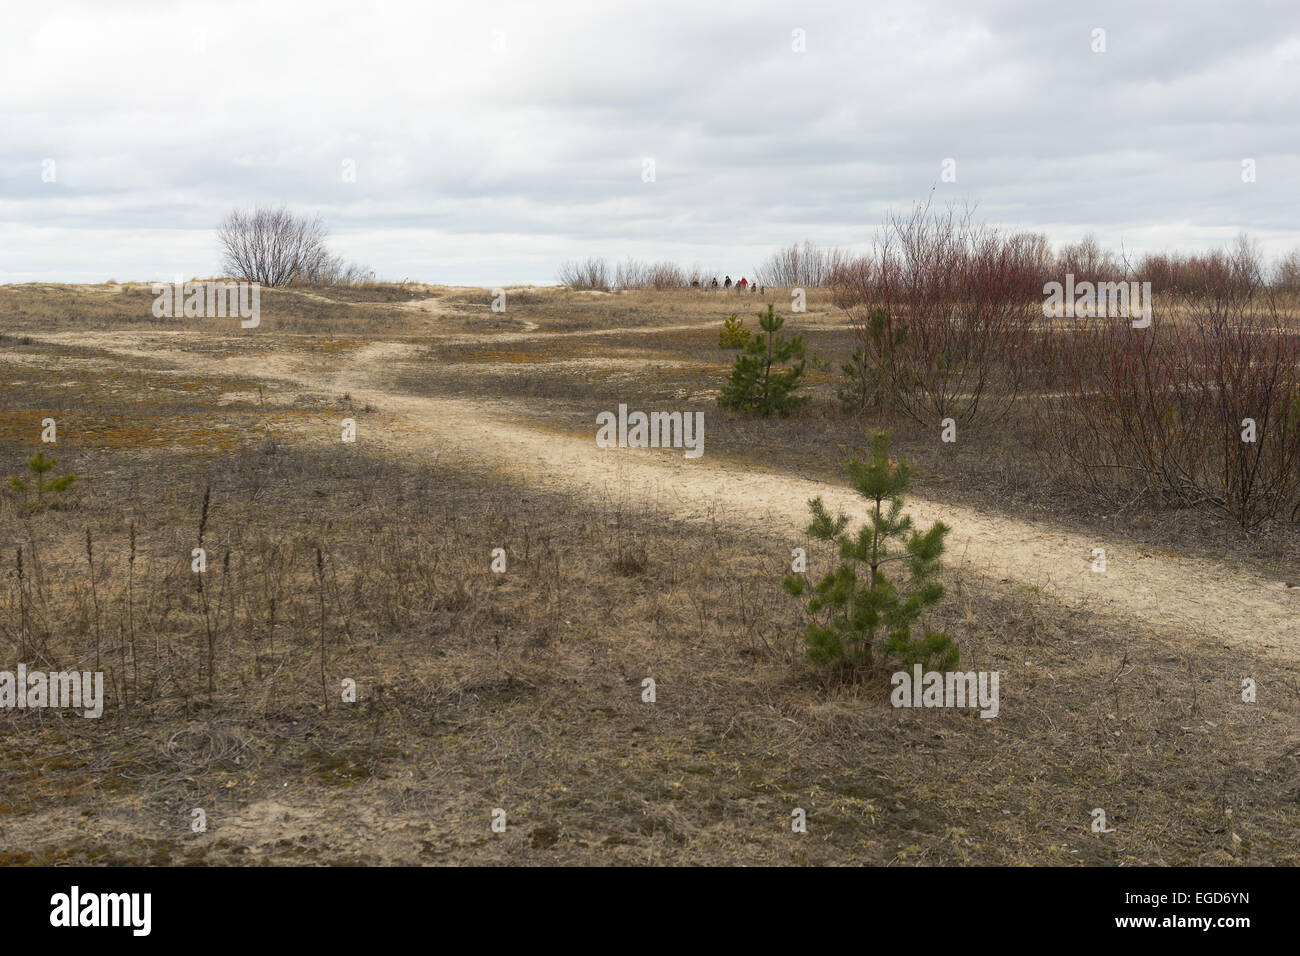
column 667, row 275
column 807, row 266
column 632, row 274
column 591, row 274
column 333, row 270
column 1286, row 273
column 595, row 273
column 851, row 282
column 1163, row 411
column 1234, row 273
column 954, row 301
column 1087, row 261
column 660, row 276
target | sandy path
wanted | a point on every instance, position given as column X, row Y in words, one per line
column 1189, row 594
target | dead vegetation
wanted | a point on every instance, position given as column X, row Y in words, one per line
column 523, row 690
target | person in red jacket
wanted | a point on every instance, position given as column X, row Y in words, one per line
column 744, row 283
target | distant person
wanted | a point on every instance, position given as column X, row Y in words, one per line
column 715, row 284
column 727, row 285
column 743, row 284
column 695, row 283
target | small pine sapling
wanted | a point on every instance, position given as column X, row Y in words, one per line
column 861, row 382
column 767, row 371
column 859, row 614
column 40, row 466
column 733, row 334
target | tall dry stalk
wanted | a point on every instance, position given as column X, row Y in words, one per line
column 94, row 592
column 320, row 591
column 22, row 607
column 130, row 612
column 203, row 595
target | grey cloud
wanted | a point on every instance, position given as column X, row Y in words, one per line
column 475, row 165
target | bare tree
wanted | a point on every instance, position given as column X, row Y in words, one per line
column 274, row 246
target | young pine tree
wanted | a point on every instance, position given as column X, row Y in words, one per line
column 733, row 334
column 759, row 384
column 885, row 580
column 39, row 466
column 861, row 380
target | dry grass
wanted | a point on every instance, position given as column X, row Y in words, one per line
column 524, row 691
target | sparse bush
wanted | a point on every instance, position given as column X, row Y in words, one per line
column 1286, row 274
column 860, row 615
column 851, row 282
column 1162, row 411
column 590, row 274
column 332, row 270
column 958, row 300
column 1087, row 261
column 758, row 384
column 660, row 276
column 595, row 274
column 808, row 267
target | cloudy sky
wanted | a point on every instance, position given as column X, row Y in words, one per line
column 491, row 141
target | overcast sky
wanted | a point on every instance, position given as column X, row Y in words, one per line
column 490, row 141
